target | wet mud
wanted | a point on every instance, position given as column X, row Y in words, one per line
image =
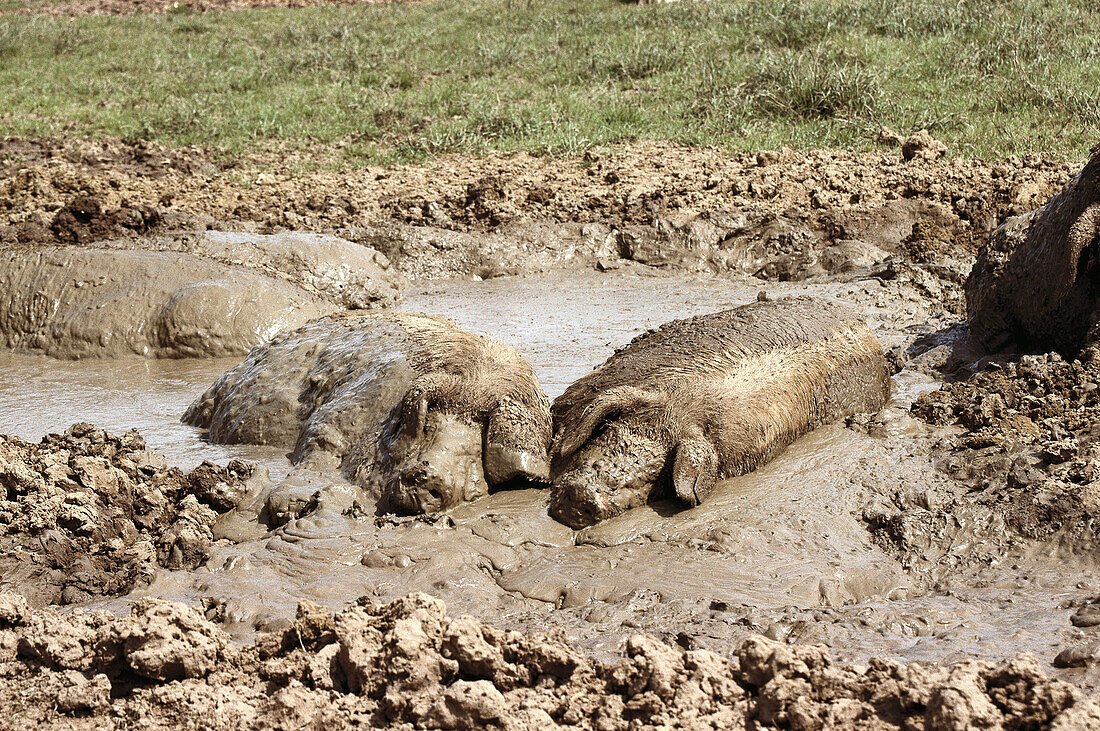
column 789, row 551
column 880, row 538
column 87, row 514
column 412, row 664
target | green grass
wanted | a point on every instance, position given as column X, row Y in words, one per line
column 406, row 82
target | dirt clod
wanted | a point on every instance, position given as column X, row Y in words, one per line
column 89, row 514
column 1029, row 446
column 409, row 664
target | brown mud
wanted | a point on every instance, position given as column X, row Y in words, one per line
column 87, row 514
column 790, row 551
column 1028, row 447
column 780, row 215
column 409, row 664
column 861, row 537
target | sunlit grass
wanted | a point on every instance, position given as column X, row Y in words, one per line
column 403, row 82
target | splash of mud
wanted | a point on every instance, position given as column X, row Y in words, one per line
column 409, row 662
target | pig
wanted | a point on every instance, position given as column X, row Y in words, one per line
column 419, row 412
column 1035, row 285
column 707, row 398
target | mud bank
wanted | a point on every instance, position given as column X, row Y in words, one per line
column 205, row 294
column 782, row 214
column 1028, row 447
column 88, row 514
column 409, row 664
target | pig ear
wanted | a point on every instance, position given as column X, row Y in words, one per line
column 425, row 391
column 695, row 470
column 614, row 401
column 414, row 414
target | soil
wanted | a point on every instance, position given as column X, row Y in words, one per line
column 1029, row 444
column 408, row 664
column 88, row 514
column 781, row 215
column 957, row 532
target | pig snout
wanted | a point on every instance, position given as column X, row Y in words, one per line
column 614, row 472
column 506, row 463
column 421, row 488
column 577, row 501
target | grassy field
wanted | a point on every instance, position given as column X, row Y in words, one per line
column 406, row 82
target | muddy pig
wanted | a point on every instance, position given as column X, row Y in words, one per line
column 418, row 411
column 1036, row 283
column 703, row 399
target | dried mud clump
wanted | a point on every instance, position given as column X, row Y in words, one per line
column 408, row 664
column 84, row 219
column 635, row 189
column 1029, row 443
column 88, row 514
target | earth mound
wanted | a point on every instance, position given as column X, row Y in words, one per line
column 1027, row 447
column 777, row 214
column 88, row 514
column 408, row 664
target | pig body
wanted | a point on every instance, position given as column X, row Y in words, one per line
column 708, row 398
column 1035, row 285
column 422, row 413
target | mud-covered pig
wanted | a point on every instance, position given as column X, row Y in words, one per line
column 1036, row 283
column 417, row 410
column 699, row 400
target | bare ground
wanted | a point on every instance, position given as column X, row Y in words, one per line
column 87, row 514
column 140, row 184
column 408, row 664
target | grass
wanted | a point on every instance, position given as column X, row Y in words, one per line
column 407, row 82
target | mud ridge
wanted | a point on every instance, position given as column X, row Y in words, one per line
column 408, row 663
column 776, row 214
column 1028, row 446
column 88, row 514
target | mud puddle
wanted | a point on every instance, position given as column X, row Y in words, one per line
column 782, row 552
column 39, row 396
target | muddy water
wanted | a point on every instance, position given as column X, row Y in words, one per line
column 781, row 551
column 40, row 395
